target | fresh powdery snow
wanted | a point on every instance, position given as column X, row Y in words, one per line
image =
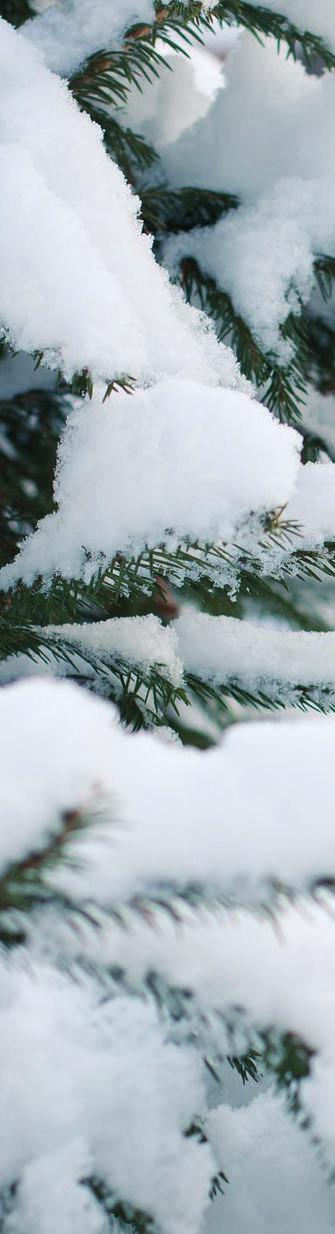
column 261, row 140
column 219, row 650
column 79, row 280
column 265, row 280
column 309, row 16
column 272, row 1171
column 129, row 471
column 71, row 30
column 112, row 1086
column 223, row 649
column 203, row 829
column 177, row 438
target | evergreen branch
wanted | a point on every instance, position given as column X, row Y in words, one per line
column 119, row 1210
column 288, row 1059
column 260, row 21
column 216, row 700
column 284, row 386
column 168, row 210
column 207, row 566
column 129, row 150
column 24, row 884
column 107, row 76
column 82, row 385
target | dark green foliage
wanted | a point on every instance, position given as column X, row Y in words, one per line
column 30, row 425
column 15, row 11
column 283, row 386
column 169, row 210
column 259, row 21
column 289, row 1060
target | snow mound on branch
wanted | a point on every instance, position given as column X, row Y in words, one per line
column 261, row 139
column 175, row 461
column 227, row 820
column 268, row 1161
column 79, row 280
column 105, row 1066
column 263, row 254
column 264, row 126
column 308, row 16
column 70, row 31
column 139, row 641
column 223, row 649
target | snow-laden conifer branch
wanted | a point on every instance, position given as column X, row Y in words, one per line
column 261, row 19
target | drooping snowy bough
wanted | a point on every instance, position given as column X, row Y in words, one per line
column 167, row 540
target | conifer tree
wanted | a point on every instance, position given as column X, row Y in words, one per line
column 168, row 546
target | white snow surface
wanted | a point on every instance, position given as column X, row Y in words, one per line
column 70, row 31
column 173, row 461
column 90, row 292
column 204, row 827
column 263, row 253
column 139, row 641
column 119, row 1097
column 320, row 19
column 223, row 649
column 111, row 1087
column 228, row 818
column 270, row 1166
column 261, row 140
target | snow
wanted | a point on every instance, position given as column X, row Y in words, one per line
column 96, row 1082
column 117, row 458
column 272, row 1169
column 115, row 1084
column 313, row 502
column 75, row 249
column 66, row 779
column 264, row 126
column 261, row 140
column 263, row 254
column 223, row 649
column 140, row 641
column 67, row 33
column 51, row 1192
column 304, row 13
column 172, row 102
column 111, row 1086
column 220, row 650
column 205, row 828
column 110, row 1068
column 319, row 416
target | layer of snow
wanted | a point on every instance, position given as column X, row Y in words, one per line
column 223, row 649
column 272, row 1169
column 261, row 139
column 172, row 102
column 70, row 31
column 263, row 127
column 106, row 1095
column 139, row 641
column 312, row 505
column 111, row 1086
column 263, row 253
column 174, row 461
column 320, row 19
column 79, row 280
column 220, row 650
column 227, row 819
